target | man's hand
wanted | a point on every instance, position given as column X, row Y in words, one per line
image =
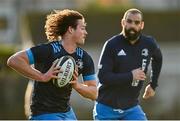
column 138, row 74
column 74, row 81
column 149, row 92
column 52, row 72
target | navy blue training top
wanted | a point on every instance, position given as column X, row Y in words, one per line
column 118, row 59
column 46, row 97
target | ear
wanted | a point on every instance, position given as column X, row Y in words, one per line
column 70, row 29
column 142, row 25
column 122, row 22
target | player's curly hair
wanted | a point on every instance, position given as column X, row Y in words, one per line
column 58, row 22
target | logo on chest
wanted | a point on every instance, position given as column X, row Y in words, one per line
column 79, row 63
column 144, row 52
column 121, row 53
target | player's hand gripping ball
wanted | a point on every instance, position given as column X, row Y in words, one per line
column 67, row 64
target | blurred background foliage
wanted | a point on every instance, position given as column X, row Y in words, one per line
column 25, row 28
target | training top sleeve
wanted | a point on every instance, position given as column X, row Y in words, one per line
column 38, row 53
column 88, row 68
column 156, row 66
column 106, row 74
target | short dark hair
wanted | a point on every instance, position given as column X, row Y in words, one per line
column 58, row 22
column 133, row 11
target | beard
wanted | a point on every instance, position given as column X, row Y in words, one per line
column 132, row 36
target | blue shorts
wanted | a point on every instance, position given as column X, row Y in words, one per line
column 104, row 112
column 56, row 116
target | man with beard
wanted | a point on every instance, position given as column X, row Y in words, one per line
column 122, row 70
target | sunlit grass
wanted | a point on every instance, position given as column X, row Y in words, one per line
column 8, row 49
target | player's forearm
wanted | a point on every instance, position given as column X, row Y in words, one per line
column 111, row 78
column 87, row 91
column 156, row 68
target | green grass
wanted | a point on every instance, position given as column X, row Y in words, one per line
column 8, row 49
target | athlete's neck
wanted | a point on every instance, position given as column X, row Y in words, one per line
column 69, row 45
column 133, row 41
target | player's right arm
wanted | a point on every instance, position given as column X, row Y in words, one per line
column 138, row 74
column 106, row 67
column 20, row 62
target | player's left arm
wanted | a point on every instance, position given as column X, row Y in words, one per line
column 88, row 88
column 155, row 72
column 149, row 92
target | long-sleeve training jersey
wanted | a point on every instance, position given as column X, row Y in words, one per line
column 118, row 59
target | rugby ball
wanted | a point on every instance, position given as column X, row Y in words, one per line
column 67, row 64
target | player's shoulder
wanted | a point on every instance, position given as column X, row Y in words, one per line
column 47, row 44
column 40, row 46
column 81, row 52
column 114, row 40
column 148, row 38
column 149, row 41
column 52, row 43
